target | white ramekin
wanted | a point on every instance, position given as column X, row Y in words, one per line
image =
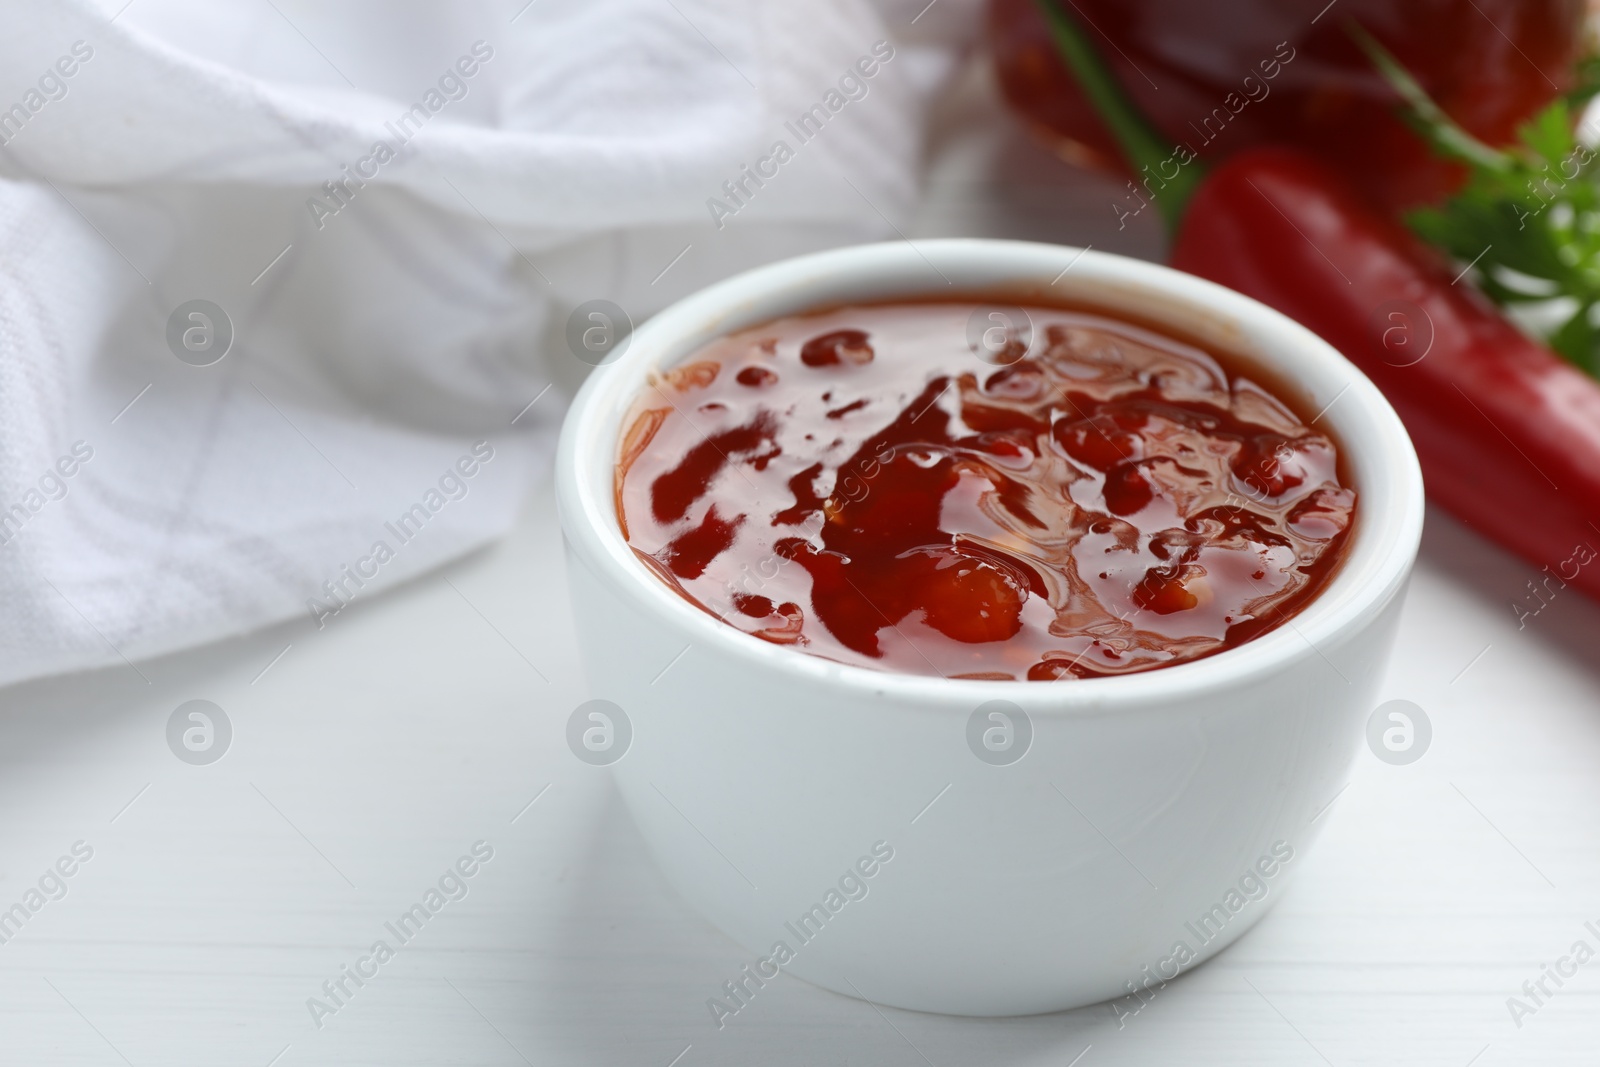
column 759, row 776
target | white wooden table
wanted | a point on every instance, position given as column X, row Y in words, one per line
column 372, row 755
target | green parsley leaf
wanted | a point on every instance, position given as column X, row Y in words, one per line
column 1526, row 224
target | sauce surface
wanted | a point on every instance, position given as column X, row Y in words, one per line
column 1063, row 496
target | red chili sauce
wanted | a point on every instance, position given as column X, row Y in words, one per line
column 1092, row 498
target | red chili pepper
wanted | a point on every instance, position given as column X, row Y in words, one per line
column 1240, row 74
column 1508, row 432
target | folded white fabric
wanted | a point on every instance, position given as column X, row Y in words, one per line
column 284, row 285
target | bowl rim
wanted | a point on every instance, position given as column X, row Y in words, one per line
column 1378, row 452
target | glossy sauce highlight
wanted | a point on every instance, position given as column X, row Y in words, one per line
column 1099, row 499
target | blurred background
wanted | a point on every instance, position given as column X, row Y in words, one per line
column 269, row 269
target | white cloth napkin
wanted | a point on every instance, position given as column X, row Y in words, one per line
column 398, row 359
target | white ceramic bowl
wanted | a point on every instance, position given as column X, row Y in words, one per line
column 1151, row 810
